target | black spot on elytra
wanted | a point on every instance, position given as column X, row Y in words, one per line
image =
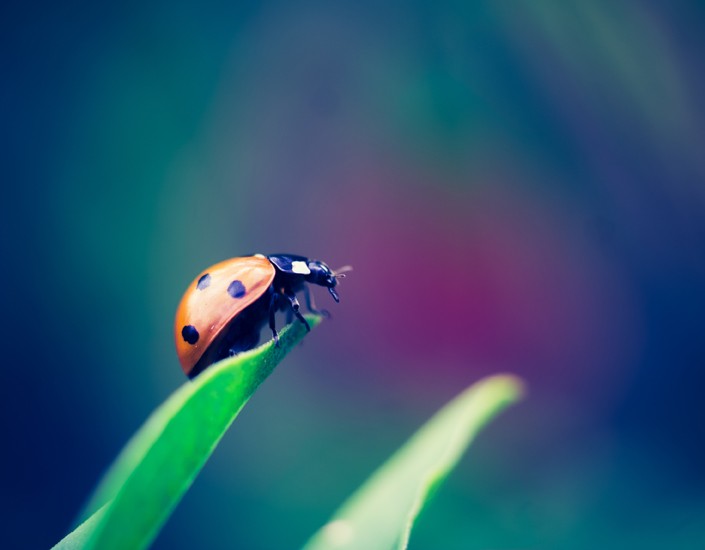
column 236, row 289
column 204, row 282
column 190, row 334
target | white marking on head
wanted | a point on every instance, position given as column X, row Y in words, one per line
column 300, row 267
column 260, row 256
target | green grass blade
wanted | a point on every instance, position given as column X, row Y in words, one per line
column 379, row 516
column 78, row 538
column 158, row 465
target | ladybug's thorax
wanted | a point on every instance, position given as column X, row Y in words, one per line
column 300, row 268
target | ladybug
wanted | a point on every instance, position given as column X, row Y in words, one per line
column 225, row 307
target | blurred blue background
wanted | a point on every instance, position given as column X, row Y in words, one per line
column 519, row 186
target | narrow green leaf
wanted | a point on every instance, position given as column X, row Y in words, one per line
column 78, row 538
column 158, row 465
column 380, row 514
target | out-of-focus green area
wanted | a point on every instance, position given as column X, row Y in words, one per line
column 381, row 513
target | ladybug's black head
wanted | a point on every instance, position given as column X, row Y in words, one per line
column 322, row 275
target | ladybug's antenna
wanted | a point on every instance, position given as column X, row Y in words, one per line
column 339, row 273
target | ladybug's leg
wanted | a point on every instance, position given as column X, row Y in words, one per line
column 273, row 302
column 295, row 306
column 311, row 305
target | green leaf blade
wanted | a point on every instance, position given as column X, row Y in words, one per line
column 380, row 515
column 79, row 537
column 158, row 465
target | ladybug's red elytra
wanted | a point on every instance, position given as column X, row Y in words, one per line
column 225, row 307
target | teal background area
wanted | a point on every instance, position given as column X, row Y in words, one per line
column 520, row 187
